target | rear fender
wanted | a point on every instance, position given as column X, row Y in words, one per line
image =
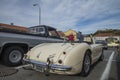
column 76, row 57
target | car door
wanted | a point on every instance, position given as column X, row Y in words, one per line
column 95, row 51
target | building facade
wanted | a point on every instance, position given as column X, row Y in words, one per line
column 68, row 32
column 104, row 36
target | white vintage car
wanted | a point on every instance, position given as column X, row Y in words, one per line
column 64, row 58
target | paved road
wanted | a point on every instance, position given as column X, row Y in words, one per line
column 96, row 73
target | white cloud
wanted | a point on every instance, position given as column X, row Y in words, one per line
column 62, row 14
column 68, row 12
column 108, row 24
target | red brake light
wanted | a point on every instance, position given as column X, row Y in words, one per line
column 60, row 61
column 64, row 52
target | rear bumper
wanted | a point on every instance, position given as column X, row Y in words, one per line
column 51, row 66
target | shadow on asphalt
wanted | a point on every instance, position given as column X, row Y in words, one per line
column 94, row 65
column 118, row 65
column 92, row 68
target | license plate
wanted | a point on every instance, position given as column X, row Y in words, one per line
column 38, row 68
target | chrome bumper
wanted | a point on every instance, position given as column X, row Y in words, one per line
column 46, row 65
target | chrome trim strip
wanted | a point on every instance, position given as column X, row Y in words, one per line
column 60, row 67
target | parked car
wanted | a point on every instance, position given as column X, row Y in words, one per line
column 103, row 42
column 112, row 42
column 64, row 58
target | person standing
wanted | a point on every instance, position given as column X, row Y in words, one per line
column 80, row 36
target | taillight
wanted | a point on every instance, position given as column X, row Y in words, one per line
column 64, row 52
column 60, row 61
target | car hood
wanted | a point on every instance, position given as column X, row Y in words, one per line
column 54, row 50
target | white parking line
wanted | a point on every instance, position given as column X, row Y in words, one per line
column 112, row 60
column 105, row 74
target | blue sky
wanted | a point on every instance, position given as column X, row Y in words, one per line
column 86, row 16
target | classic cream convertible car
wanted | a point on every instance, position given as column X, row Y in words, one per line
column 64, row 58
column 113, row 44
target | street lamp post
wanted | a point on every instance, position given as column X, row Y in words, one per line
column 39, row 12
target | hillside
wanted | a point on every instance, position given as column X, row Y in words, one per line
column 108, row 32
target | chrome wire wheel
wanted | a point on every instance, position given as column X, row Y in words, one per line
column 87, row 64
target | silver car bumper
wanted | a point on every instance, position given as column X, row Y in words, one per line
column 46, row 65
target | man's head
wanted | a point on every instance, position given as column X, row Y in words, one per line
column 80, row 32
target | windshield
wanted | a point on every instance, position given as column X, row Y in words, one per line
column 53, row 33
column 37, row 30
column 112, row 40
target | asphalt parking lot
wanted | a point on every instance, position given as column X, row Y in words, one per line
column 98, row 71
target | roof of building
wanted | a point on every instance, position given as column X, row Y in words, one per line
column 71, row 30
column 105, row 34
column 61, row 33
column 13, row 27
